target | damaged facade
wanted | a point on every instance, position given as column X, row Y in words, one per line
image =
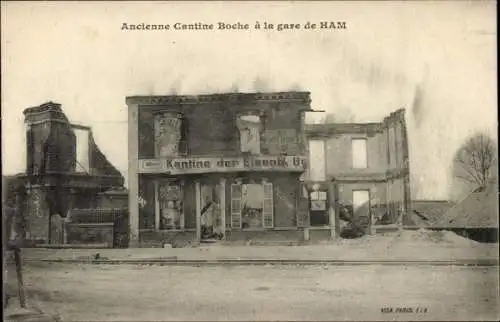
column 228, row 166
column 65, row 170
column 223, row 166
column 361, row 172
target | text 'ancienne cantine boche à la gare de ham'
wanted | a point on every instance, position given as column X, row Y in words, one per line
column 199, row 26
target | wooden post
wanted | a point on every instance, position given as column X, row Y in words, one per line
column 65, row 231
column 17, row 258
column 222, row 206
column 198, row 209
column 336, row 208
column 331, row 215
column 157, row 206
column 331, row 209
column 182, row 215
column 370, row 219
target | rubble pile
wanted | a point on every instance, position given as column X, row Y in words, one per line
column 438, row 237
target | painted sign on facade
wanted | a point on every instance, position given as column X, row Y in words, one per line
column 167, row 134
column 208, row 165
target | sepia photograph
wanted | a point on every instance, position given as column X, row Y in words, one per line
column 249, row 161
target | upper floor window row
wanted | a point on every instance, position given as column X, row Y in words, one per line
column 170, row 135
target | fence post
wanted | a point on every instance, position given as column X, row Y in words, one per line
column 17, row 257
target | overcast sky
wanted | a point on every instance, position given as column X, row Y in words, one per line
column 77, row 55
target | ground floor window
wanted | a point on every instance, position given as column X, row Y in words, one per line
column 252, row 205
column 169, row 204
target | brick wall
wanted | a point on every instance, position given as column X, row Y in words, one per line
column 50, row 141
column 211, row 129
column 37, row 213
column 51, row 144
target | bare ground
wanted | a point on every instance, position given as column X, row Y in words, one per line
column 153, row 293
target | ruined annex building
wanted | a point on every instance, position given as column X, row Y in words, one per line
column 361, row 171
column 65, row 170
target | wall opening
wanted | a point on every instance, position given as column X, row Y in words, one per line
column 359, row 154
column 361, row 206
column 317, row 163
column 249, row 127
column 82, row 150
column 318, row 208
column 211, row 220
column 252, row 205
column 168, row 134
column 360, row 198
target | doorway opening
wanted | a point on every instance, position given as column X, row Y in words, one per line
column 318, row 208
column 211, row 219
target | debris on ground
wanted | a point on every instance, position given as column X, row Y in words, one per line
column 438, row 236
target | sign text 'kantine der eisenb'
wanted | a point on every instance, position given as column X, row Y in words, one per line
column 205, row 165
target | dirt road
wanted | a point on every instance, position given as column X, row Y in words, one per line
column 153, row 293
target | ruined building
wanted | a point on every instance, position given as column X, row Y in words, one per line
column 223, row 166
column 65, row 170
column 236, row 167
column 359, row 169
column 233, row 167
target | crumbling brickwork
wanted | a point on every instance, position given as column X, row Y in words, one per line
column 51, row 183
column 51, row 145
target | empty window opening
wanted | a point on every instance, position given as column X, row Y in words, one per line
column 317, row 163
column 249, row 127
column 359, row 154
column 82, row 150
